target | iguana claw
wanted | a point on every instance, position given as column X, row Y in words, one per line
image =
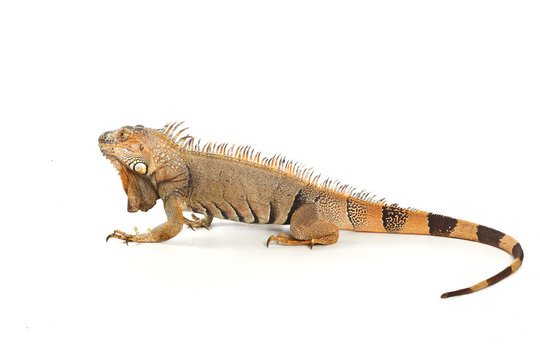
column 289, row 240
column 122, row 236
column 198, row 223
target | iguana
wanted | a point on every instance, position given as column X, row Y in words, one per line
column 236, row 183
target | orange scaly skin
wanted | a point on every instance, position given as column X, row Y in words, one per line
column 217, row 180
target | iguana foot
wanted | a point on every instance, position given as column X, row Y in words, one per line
column 289, row 240
column 128, row 237
column 199, row 223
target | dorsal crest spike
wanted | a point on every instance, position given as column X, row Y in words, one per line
column 169, row 127
column 173, row 129
column 178, row 134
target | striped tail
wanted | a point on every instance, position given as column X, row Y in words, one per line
column 499, row 240
column 372, row 217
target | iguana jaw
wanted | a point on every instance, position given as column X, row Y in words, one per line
column 142, row 195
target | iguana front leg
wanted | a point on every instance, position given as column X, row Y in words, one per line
column 162, row 232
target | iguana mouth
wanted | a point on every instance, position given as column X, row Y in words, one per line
column 107, row 144
column 107, row 150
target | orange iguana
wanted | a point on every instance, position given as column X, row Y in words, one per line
column 235, row 183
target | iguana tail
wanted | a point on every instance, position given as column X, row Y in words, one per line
column 373, row 217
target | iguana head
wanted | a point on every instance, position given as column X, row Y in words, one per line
column 129, row 149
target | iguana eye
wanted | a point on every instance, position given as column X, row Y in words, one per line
column 123, row 135
column 141, row 168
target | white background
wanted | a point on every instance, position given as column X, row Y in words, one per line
column 430, row 104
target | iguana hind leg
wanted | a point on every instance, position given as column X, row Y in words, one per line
column 307, row 228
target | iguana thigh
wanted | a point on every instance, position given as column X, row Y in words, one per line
column 308, row 228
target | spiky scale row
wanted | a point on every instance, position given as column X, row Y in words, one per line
column 277, row 162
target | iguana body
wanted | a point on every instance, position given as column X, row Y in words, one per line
column 236, row 184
